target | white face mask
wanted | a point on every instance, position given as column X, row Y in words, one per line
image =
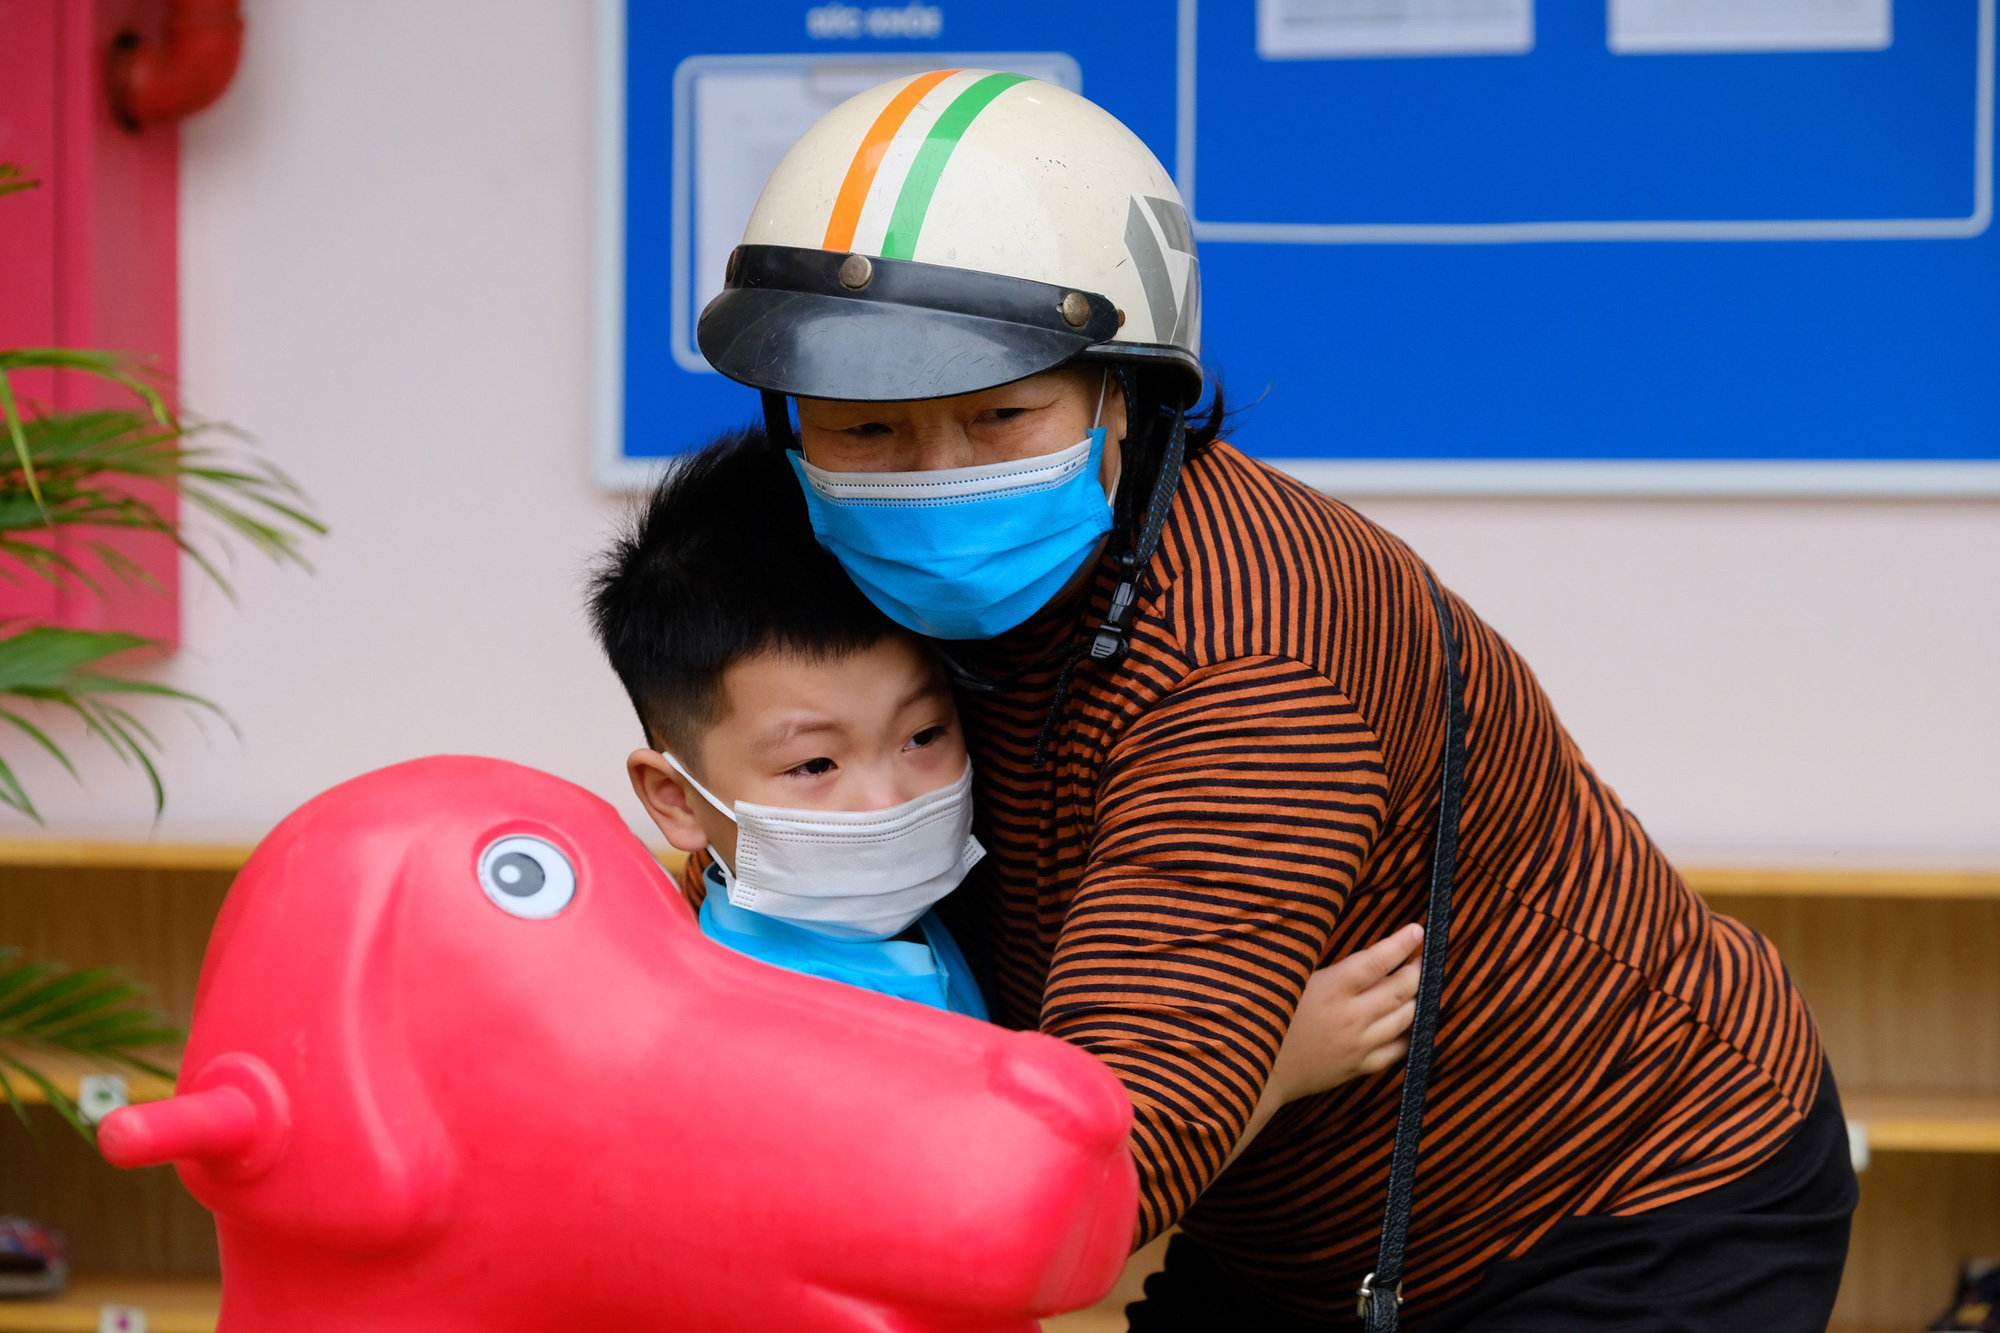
column 854, row 874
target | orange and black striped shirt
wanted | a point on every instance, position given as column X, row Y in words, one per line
column 1251, row 793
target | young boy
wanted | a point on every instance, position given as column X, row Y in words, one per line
column 809, row 746
column 805, row 742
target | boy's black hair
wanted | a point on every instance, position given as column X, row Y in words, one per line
column 720, row 564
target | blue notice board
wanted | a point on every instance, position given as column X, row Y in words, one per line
column 1609, row 246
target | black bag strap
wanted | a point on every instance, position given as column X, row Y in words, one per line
column 1377, row 1314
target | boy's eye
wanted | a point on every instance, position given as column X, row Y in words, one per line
column 813, row 768
column 925, row 737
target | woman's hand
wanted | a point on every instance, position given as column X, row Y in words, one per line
column 1352, row 1020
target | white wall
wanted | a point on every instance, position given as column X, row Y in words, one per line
column 1806, row 683
column 385, row 263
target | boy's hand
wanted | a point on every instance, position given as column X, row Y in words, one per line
column 1353, row 1018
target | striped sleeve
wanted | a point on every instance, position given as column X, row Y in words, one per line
column 1233, row 818
column 689, row 879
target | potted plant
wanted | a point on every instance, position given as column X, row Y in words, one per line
column 74, row 469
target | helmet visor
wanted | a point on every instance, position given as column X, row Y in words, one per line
column 824, row 324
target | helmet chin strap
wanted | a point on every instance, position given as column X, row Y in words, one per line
column 1110, row 641
column 778, row 420
column 1112, row 638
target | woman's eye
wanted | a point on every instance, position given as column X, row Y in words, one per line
column 813, row 768
column 527, row 877
column 1005, row 413
column 928, row 736
column 868, row 428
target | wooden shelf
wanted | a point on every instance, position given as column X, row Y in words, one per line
column 69, row 853
column 62, row 853
column 1725, row 882
column 1902, row 1122
column 171, row 1306
column 1709, row 881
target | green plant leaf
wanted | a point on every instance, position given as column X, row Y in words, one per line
column 40, row 737
column 18, row 434
column 51, row 666
column 96, row 1013
column 12, row 793
column 49, row 657
column 82, row 462
column 126, row 371
column 102, row 987
column 50, row 1093
column 15, row 975
column 47, row 995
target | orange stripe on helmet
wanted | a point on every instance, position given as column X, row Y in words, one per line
column 868, row 158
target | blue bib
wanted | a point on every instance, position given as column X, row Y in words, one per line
column 933, row 973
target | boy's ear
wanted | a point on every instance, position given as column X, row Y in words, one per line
column 665, row 795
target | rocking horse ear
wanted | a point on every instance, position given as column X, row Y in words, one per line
column 303, row 1112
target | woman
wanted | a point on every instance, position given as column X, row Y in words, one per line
column 1210, row 712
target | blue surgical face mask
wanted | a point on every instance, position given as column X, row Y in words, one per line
column 963, row 553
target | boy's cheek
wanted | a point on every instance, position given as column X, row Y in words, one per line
column 722, row 840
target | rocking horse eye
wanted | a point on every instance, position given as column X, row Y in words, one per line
column 527, row 877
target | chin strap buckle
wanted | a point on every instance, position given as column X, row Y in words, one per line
column 1109, row 643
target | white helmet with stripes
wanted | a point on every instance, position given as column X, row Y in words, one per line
column 955, row 230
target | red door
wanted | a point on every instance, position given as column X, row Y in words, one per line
column 88, row 259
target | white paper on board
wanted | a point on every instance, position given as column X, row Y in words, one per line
column 1643, row 27
column 1335, row 29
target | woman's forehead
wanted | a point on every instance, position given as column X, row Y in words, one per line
column 1048, row 386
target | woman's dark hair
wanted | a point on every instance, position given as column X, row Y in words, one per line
column 719, row 564
column 1154, row 400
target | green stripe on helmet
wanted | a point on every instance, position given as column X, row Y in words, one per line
column 907, row 219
